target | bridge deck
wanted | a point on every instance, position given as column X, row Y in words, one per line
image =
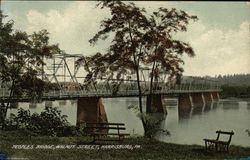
column 57, row 95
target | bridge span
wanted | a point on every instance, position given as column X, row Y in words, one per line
column 109, row 93
column 91, row 109
column 89, row 97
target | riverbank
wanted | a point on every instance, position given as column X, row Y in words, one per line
column 16, row 144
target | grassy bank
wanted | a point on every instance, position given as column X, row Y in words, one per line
column 146, row 149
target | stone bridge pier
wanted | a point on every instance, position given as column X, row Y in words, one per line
column 198, row 99
column 198, row 103
column 185, row 104
column 194, row 100
column 91, row 110
column 157, row 104
column 208, row 97
column 215, row 96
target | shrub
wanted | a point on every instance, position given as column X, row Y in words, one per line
column 50, row 122
column 248, row 132
column 152, row 122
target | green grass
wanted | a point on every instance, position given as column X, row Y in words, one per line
column 150, row 149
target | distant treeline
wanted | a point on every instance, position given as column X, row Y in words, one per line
column 235, row 79
column 241, row 91
column 237, row 85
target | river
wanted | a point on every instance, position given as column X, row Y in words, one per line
column 190, row 128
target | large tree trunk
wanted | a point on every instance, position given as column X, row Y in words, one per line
column 149, row 103
column 140, row 94
column 136, row 63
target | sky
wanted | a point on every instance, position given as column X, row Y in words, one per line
column 220, row 38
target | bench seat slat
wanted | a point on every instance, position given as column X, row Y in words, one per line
column 120, row 124
column 107, row 140
column 224, row 132
column 219, row 145
column 118, row 128
column 122, row 134
column 215, row 141
column 95, row 130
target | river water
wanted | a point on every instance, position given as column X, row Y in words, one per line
column 189, row 128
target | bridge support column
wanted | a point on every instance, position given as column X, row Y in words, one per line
column 157, row 104
column 91, row 110
column 215, row 96
column 198, row 99
column 208, row 97
column 185, row 105
column 198, row 103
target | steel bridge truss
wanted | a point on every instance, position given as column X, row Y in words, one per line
column 63, row 71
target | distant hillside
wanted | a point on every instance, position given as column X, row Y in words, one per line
column 237, row 79
column 233, row 80
column 237, row 85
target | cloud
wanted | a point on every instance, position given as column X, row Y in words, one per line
column 218, row 51
column 71, row 28
column 74, row 26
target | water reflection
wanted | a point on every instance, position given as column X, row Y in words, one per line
column 171, row 102
column 216, row 104
column 62, row 102
column 197, row 109
column 208, row 106
column 248, row 106
column 117, row 111
column 187, row 126
column 32, row 105
column 184, row 112
column 48, row 103
column 229, row 105
column 73, row 101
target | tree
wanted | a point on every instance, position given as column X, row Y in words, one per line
column 140, row 40
column 21, row 60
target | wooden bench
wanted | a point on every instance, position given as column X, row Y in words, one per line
column 217, row 144
column 98, row 130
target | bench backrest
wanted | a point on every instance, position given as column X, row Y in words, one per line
column 119, row 124
column 224, row 132
column 105, row 126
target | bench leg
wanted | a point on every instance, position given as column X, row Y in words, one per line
column 94, row 139
column 208, row 145
column 121, row 138
column 216, row 147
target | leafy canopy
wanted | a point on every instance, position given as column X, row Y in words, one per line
column 140, row 40
column 22, row 58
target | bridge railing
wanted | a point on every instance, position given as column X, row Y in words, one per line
column 129, row 91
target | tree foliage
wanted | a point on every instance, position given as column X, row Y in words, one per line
column 21, row 60
column 49, row 122
column 139, row 40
